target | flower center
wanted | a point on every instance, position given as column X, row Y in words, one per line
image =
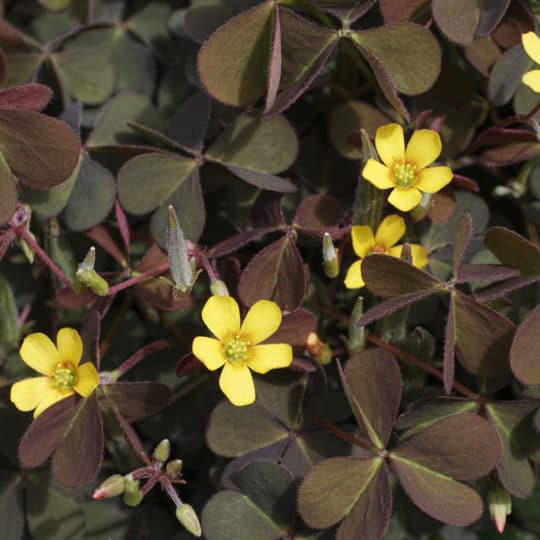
column 404, row 174
column 64, row 376
column 236, row 349
column 376, row 249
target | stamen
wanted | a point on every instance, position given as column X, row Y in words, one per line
column 236, row 349
column 65, row 376
column 404, row 174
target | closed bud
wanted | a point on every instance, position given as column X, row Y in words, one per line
column 318, row 350
column 132, row 492
column 111, row 487
column 179, row 261
column 174, row 467
column 188, row 518
column 86, row 277
column 357, row 334
column 218, row 288
column 420, row 211
column 500, row 505
column 330, row 257
column 162, row 451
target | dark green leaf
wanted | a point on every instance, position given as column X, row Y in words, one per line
column 506, row 75
column 524, row 354
column 11, row 505
column 458, row 19
column 9, row 324
column 8, row 185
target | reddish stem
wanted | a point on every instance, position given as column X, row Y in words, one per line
column 343, row 435
column 171, row 492
column 152, row 481
column 137, row 279
column 135, row 358
column 27, row 237
column 23, row 315
column 412, row 360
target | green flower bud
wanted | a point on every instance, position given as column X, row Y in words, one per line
column 330, row 257
column 420, row 212
column 174, row 467
column 111, row 487
column 218, row 288
column 162, row 451
column 87, row 277
column 500, row 505
column 188, row 518
column 132, row 492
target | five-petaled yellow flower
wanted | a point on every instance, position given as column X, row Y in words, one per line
column 405, row 169
column 237, row 348
column 62, row 375
column 390, row 230
column 531, row 44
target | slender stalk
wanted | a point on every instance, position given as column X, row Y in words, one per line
column 166, row 484
column 411, row 359
column 135, row 358
column 343, row 435
column 138, row 278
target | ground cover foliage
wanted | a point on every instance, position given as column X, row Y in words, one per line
column 344, row 194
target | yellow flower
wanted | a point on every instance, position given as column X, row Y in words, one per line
column 405, row 169
column 390, row 230
column 62, row 375
column 237, row 346
column 531, row 44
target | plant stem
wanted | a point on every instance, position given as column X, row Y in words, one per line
column 135, row 358
column 166, row 483
column 343, row 435
column 138, row 278
column 411, row 359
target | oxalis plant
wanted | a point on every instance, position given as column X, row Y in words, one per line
column 269, row 269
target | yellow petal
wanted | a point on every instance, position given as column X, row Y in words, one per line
column 27, row 394
column 390, row 230
column 390, row 143
column 52, row 396
column 222, row 316
column 378, row 174
column 424, row 148
column 434, row 179
column 405, row 199
column 236, row 383
column 532, row 79
column 267, row 357
column 209, row 351
column 87, row 379
column 262, row 320
column 531, row 44
column 69, row 345
column 39, row 352
column 353, row 279
column 362, row 240
column 418, row 252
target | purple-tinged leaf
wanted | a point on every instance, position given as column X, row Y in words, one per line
column 449, row 346
column 123, row 226
column 491, row 14
column 457, row 19
column 483, row 338
column 8, row 187
column 397, row 11
column 525, row 351
column 41, row 151
column 390, row 306
column 276, row 273
column 425, row 412
column 45, row 433
column 351, row 15
column 501, row 156
column 388, row 276
column 233, row 62
column 463, row 446
column 510, row 421
column 372, row 382
column 137, row 400
column 305, row 49
column 462, row 239
column 262, row 180
column 438, row 496
column 100, row 234
column 234, row 243
column 467, row 273
column 504, row 288
column 27, row 97
column 497, row 136
column 318, row 214
column 274, row 69
column 77, row 460
column 513, row 250
column 347, row 479
column 268, row 210
column 294, row 329
column 190, row 121
column 202, row 20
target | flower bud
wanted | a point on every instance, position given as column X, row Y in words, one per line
column 330, row 257
column 111, row 487
column 162, row 451
column 177, row 249
column 500, row 505
column 132, row 492
column 420, row 211
column 188, row 518
column 87, row 277
column 218, row 288
column 318, row 350
column 174, row 467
